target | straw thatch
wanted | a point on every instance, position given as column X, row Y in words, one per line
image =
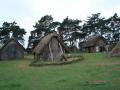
column 116, row 50
column 50, row 47
column 93, row 42
column 12, row 49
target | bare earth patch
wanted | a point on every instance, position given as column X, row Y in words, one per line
column 97, row 82
column 107, row 64
column 23, row 66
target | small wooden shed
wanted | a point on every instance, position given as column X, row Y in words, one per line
column 116, row 50
column 95, row 44
column 50, row 48
column 12, row 49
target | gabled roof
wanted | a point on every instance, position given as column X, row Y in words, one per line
column 116, row 50
column 12, row 39
column 45, row 40
column 117, row 45
column 91, row 41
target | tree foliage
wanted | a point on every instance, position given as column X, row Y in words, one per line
column 9, row 30
column 41, row 28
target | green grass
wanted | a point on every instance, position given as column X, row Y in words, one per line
column 96, row 72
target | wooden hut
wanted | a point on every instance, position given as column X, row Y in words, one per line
column 116, row 50
column 12, row 49
column 95, row 44
column 50, row 48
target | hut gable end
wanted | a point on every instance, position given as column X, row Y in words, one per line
column 49, row 48
column 12, row 50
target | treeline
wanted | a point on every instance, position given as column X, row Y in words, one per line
column 72, row 32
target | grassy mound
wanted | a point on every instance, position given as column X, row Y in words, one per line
column 70, row 59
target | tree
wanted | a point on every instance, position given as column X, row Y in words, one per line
column 9, row 30
column 4, row 32
column 17, row 32
column 67, row 31
column 94, row 25
column 114, row 29
column 43, row 27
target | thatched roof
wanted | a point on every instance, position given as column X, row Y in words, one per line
column 10, row 40
column 116, row 50
column 91, row 41
column 45, row 41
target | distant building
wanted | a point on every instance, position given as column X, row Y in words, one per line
column 95, row 44
column 12, row 49
column 116, row 50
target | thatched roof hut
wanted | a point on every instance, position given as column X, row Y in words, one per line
column 95, row 44
column 12, row 49
column 49, row 48
column 116, row 50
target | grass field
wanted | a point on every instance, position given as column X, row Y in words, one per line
column 95, row 72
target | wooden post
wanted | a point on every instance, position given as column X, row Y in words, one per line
column 50, row 52
column 61, row 48
column 62, row 56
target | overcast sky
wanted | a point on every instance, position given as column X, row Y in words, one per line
column 27, row 12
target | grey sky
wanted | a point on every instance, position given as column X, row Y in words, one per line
column 27, row 12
